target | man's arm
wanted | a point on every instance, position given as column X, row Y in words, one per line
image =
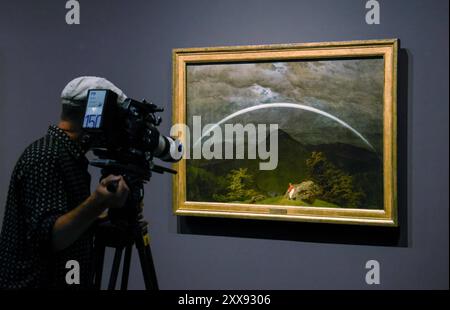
column 70, row 226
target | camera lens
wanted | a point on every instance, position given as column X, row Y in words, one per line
column 169, row 149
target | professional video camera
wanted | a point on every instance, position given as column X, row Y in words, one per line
column 127, row 131
column 125, row 138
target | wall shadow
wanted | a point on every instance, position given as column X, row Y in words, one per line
column 327, row 233
column 3, row 179
column 2, row 103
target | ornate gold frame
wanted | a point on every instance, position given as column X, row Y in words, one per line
column 385, row 48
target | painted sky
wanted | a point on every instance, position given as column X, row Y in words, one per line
column 351, row 90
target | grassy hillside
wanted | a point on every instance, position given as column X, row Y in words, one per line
column 206, row 178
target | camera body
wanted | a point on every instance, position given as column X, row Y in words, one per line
column 127, row 131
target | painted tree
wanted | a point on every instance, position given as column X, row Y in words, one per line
column 337, row 185
column 241, row 185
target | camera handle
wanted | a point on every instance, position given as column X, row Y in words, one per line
column 112, row 186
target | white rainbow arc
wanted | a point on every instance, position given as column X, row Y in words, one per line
column 285, row 105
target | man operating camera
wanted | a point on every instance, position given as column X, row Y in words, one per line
column 50, row 211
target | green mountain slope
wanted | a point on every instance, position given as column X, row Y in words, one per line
column 208, row 177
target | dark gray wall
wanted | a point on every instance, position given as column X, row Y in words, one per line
column 130, row 43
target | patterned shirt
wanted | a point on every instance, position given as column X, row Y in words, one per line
column 49, row 179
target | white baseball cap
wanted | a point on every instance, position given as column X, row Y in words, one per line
column 75, row 92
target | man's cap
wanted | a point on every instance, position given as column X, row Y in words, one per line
column 75, row 92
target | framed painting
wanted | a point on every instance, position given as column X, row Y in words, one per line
column 295, row 132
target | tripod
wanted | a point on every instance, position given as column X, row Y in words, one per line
column 119, row 238
column 123, row 229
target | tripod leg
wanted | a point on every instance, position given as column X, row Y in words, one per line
column 99, row 256
column 115, row 268
column 145, row 256
column 126, row 268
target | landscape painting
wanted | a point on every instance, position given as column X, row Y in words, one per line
column 329, row 119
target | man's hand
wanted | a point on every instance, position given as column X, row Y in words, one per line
column 71, row 225
column 106, row 199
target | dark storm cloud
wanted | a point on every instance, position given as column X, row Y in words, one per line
column 352, row 90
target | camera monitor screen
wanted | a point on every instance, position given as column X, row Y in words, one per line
column 94, row 109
